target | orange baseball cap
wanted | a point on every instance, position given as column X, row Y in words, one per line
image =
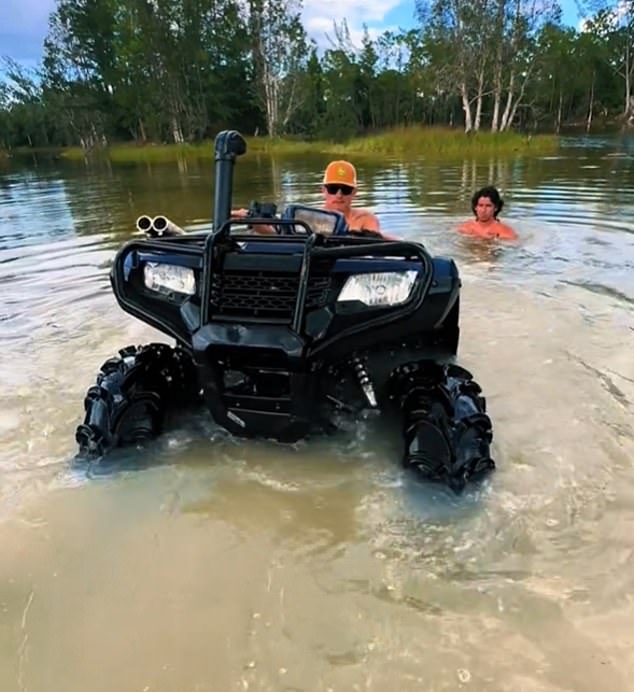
column 342, row 172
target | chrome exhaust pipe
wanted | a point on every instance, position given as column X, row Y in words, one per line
column 161, row 226
column 144, row 224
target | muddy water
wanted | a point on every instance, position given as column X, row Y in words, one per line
column 207, row 563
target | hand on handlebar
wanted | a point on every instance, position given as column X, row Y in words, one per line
column 243, row 214
column 367, row 233
column 239, row 213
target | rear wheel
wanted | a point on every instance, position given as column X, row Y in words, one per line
column 133, row 394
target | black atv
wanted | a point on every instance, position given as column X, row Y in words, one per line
column 280, row 334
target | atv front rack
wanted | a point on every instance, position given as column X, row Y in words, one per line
column 214, row 256
column 220, row 245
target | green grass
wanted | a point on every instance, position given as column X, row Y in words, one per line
column 446, row 142
column 403, row 142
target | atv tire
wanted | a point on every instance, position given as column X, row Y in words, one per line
column 446, row 430
column 129, row 402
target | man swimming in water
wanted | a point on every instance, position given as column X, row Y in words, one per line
column 486, row 205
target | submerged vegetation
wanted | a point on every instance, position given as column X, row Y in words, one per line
column 176, row 72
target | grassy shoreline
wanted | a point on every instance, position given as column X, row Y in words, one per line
column 403, row 142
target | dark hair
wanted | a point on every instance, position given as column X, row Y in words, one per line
column 492, row 193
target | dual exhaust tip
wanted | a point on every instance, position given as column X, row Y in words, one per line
column 158, row 226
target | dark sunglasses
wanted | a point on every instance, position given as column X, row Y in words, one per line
column 333, row 188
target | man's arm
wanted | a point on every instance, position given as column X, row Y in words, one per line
column 243, row 215
column 365, row 220
column 506, row 232
column 466, row 227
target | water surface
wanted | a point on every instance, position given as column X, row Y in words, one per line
column 210, row 563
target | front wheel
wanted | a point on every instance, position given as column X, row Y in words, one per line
column 130, row 399
column 446, row 430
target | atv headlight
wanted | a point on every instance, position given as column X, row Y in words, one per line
column 168, row 278
column 379, row 289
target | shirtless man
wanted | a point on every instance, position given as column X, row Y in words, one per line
column 486, row 205
column 339, row 188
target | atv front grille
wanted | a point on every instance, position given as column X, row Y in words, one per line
column 263, row 294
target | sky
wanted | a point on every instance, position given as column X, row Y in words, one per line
column 23, row 23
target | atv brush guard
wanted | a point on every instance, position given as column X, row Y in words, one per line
column 280, row 335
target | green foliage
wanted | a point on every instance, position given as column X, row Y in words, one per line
column 177, row 71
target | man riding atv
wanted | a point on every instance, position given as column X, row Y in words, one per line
column 339, row 188
column 280, row 334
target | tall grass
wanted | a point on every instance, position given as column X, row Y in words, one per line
column 404, row 142
column 447, row 142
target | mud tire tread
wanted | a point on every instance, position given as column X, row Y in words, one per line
column 130, row 399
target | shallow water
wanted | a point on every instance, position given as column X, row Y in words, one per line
column 208, row 563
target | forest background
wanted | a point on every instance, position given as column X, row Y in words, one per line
column 178, row 71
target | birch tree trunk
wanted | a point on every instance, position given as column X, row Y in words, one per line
column 559, row 112
column 506, row 116
column 280, row 49
column 498, row 66
column 177, row 132
column 590, row 104
column 497, row 98
column 466, row 107
column 479, row 99
column 628, row 70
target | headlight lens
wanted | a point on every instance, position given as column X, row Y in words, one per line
column 379, row 289
column 169, row 278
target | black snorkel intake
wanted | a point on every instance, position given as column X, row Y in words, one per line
column 229, row 144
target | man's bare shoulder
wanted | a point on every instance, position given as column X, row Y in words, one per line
column 475, row 229
column 494, row 230
column 506, row 232
column 466, row 227
column 363, row 220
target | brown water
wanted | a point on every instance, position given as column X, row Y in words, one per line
column 209, row 563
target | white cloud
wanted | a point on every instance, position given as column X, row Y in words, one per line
column 24, row 23
column 319, row 15
column 616, row 16
column 356, row 35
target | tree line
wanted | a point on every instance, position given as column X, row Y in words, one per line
column 180, row 70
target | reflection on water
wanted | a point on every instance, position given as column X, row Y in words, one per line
column 212, row 563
